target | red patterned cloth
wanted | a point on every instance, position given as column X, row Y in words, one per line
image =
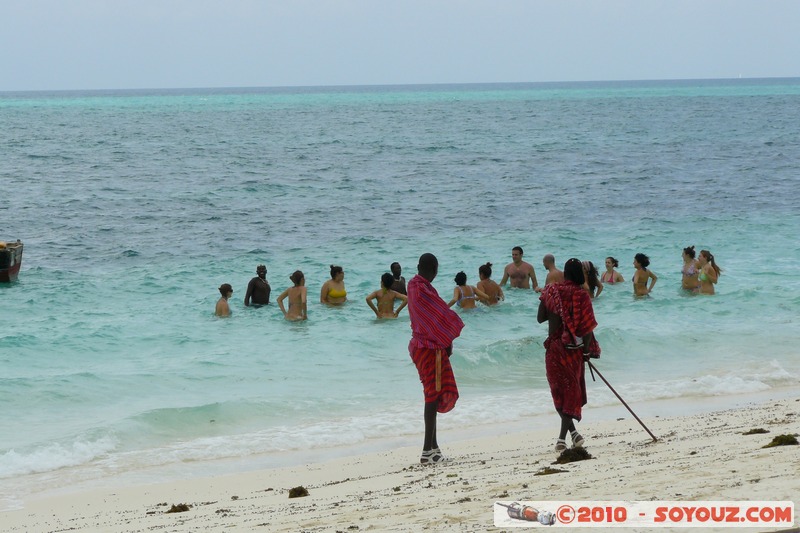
column 434, row 326
column 565, row 370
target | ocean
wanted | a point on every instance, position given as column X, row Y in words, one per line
column 134, row 206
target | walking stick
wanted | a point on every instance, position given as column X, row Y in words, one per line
column 593, row 369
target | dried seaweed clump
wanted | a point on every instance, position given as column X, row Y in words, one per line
column 546, row 471
column 180, row 508
column 570, row 455
column 782, row 440
column 755, row 431
column 298, row 492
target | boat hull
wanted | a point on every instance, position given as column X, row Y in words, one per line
column 10, row 261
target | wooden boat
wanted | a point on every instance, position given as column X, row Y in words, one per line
column 10, row 260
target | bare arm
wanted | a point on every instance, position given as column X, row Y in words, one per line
column 404, row 301
column 248, row 293
column 281, row 298
column 532, row 275
column 587, row 341
column 373, row 296
column 323, row 293
column 653, row 279
column 599, row 288
column 481, row 295
column 505, row 277
column 455, row 297
column 303, row 299
column 712, row 274
column 541, row 314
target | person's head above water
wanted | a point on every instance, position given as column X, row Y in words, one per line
column 428, row 266
column 573, row 271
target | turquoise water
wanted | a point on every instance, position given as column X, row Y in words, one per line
column 134, row 206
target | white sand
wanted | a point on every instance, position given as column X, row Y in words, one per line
column 697, row 457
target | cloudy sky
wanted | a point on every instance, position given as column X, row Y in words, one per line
column 119, row 44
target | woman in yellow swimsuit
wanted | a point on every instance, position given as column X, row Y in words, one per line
column 333, row 291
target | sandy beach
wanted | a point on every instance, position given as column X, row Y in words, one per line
column 704, row 456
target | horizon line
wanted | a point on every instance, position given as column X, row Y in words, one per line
column 388, row 85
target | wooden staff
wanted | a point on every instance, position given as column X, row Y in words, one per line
column 593, row 369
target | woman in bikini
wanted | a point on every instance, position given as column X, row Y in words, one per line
column 640, row 288
column 298, row 307
column 333, row 291
column 709, row 272
column 385, row 297
column 611, row 276
column 690, row 270
column 593, row 285
column 488, row 285
column 464, row 295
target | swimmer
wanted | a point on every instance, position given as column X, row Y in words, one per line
column 258, row 289
column 223, row 309
column 399, row 283
column 642, row 274
column 554, row 275
column 709, row 272
column 385, row 297
column 690, row 270
column 464, row 295
column 593, row 285
column 611, row 276
column 519, row 272
column 489, row 286
column 333, row 291
column 298, row 306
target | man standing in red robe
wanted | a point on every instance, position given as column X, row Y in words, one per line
column 567, row 307
column 433, row 327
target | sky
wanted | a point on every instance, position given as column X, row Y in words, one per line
column 140, row 44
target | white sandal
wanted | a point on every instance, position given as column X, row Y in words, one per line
column 434, row 456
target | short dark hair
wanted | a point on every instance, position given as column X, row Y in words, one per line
column 689, row 250
column 642, row 260
column 225, row 288
column 387, row 280
column 573, row 271
column 519, row 249
column 461, row 278
column 428, row 264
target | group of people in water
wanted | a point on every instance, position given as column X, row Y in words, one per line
column 565, row 303
column 699, row 275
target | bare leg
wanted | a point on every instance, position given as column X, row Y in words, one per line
column 430, row 426
column 567, row 424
